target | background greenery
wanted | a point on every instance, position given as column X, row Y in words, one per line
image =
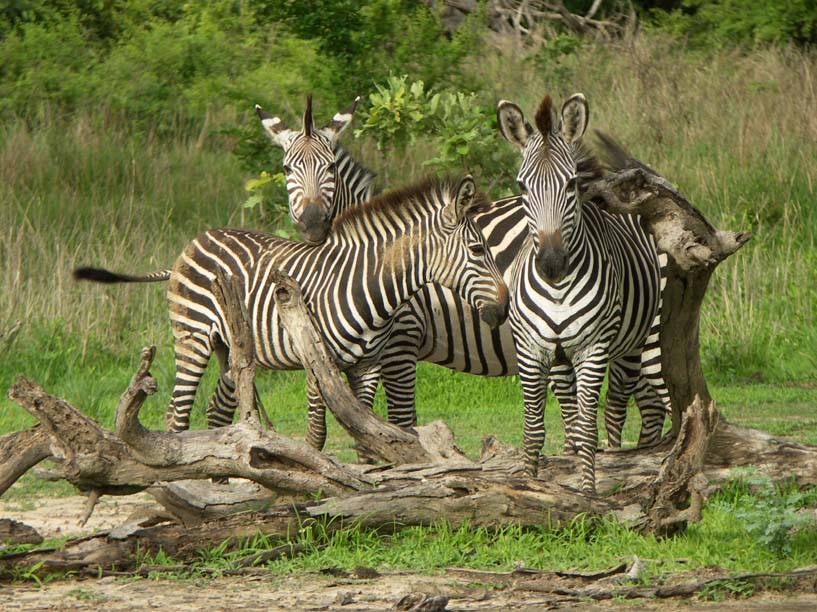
column 128, row 127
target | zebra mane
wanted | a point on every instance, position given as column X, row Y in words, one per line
column 422, row 191
column 362, row 175
column 588, row 165
column 544, row 116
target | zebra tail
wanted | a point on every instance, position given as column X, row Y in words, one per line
column 101, row 275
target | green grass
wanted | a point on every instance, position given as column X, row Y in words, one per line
column 718, row 539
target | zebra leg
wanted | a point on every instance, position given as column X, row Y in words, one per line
column 398, row 367
column 562, row 381
column 533, row 378
column 589, row 377
column 222, row 405
column 653, row 403
column 399, row 381
column 623, row 378
column 315, row 416
column 651, row 393
column 192, row 354
column 364, row 386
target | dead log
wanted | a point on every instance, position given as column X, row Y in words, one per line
column 19, row 452
column 91, row 458
column 483, row 494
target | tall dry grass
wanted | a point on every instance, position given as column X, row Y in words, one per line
column 76, row 195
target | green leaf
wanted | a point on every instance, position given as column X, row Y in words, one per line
column 252, row 201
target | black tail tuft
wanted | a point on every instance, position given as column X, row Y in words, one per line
column 99, row 275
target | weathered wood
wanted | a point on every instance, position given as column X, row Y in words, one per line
column 91, row 458
column 229, row 292
column 14, row 532
column 695, row 247
column 19, row 452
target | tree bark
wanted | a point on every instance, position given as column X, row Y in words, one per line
column 19, row 452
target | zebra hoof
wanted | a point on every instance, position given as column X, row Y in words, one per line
column 531, row 469
column 589, row 488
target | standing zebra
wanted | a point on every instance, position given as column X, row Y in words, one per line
column 586, row 287
column 377, row 257
column 437, row 326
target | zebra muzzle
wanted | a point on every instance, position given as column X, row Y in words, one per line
column 494, row 314
column 552, row 262
column 313, row 224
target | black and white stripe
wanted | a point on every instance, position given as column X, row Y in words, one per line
column 585, row 290
column 377, row 257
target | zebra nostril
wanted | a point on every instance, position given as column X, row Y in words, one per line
column 313, row 225
column 552, row 262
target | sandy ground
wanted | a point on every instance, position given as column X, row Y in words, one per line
column 306, row 591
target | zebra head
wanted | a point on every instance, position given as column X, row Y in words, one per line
column 309, row 165
column 547, row 177
column 465, row 263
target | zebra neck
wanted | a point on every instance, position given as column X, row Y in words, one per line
column 354, row 183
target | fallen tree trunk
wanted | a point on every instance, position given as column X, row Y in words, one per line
column 20, row 451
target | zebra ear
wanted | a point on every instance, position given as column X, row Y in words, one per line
column 575, row 114
column 512, row 123
column 339, row 122
column 464, row 194
column 275, row 128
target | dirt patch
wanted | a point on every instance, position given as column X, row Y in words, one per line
column 55, row 517
column 312, row 591
column 305, row 591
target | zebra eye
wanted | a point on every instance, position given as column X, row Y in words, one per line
column 476, row 249
column 331, row 167
column 522, row 187
column 573, row 182
column 287, row 168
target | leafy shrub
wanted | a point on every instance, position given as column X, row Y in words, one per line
column 771, row 513
column 462, row 131
column 397, row 113
column 466, row 136
column 718, row 23
column 45, row 65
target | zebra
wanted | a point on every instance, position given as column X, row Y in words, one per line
column 322, row 179
column 378, row 255
column 585, row 289
column 439, row 328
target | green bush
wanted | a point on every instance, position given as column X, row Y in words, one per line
column 720, row 23
column 45, row 67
